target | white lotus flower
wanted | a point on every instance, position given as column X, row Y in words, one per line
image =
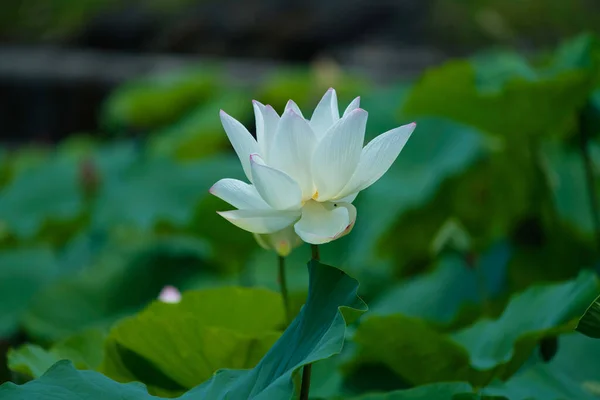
column 305, row 173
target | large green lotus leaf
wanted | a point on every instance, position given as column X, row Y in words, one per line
column 571, row 374
column 155, row 101
column 85, row 350
column 589, row 323
column 118, row 285
column 437, row 150
column 47, row 192
column 421, row 354
column 549, row 104
column 70, row 384
column 436, row 391
column 317, row 333
column 330, row 377
column 209, row 329
column 445, row 290
column 411, row 348
column 155, row 190
column 529, row 316
column 64, row 382
column 23, row 273
column 200, row 132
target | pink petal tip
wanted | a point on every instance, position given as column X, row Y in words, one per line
column 292, row 112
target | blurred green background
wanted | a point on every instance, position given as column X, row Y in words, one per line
column 111, row 140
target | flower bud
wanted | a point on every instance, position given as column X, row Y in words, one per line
column 283, row 241
column 170, row 294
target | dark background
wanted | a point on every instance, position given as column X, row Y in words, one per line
column 60, row 58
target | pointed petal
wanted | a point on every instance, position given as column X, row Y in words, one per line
column 338, row 154
column 239, row 194
column 277, row 188
column 291, row 105
column 354, row 104
column 377, row 157
column 292, row 150
column 242, row 141
column 267, row 120
column 323, row 222
column 326, row 113
column 260, row 221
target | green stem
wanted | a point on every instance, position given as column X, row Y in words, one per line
column 589, row 175
column 306, row 371
column 283, row 288
column 315, row 252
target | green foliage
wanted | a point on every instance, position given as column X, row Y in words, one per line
column 56, row 197
column 589, row 323
column 485, row 350
column 476, row 250
column 85, row 350
column 210, row 329
column 511, row 100
column 155, row 101
column 571, row 374
column 451, row 91
column 113, row 288
column 435, row 391
column 439, row 150
column 453, row 285
column 23, row 272
column 317, row 333
column 176, row 189
column 199, row 133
